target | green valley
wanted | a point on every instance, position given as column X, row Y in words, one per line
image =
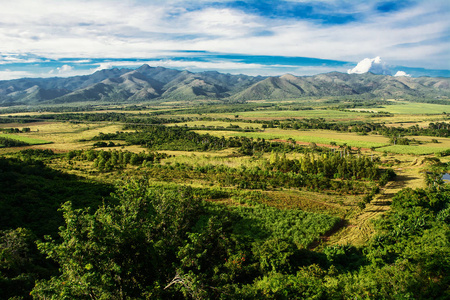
column 293, row 196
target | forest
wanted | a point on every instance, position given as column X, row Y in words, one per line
column 223, row 202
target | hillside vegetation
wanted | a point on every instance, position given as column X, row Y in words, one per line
column 190, row 197
column 148, row 83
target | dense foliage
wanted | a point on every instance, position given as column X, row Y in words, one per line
column 439, row 129
column 169, row 245
column 332, row 172
column 106, row 161
column 184, row 139
column 135, row 248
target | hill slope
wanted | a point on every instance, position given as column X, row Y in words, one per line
column 339, row 84
column 148, row 83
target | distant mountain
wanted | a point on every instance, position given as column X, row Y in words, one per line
column 339, row 84
column 150, row 83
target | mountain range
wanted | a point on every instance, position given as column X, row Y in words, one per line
column 158, row 83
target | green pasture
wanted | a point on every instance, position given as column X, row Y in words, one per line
column 414, row 108
column 427, row 146
column 25, row 139
column 326, row 114
column 329, row 115
column 413, row 149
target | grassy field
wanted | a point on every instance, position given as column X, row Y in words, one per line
column 326, row 114
column 314, row 136
column 217, row 124
column 24, row 138
column 412, row 149
column 414, row 108
column 426, row 148
column 64, row 136
column 330, row 115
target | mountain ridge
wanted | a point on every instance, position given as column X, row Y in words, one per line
column 158, row 83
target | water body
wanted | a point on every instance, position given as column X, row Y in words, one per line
column 446, row 176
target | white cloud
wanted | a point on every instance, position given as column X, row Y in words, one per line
column 107, row 65
column 402, row 74
column 373, row 65
column 8, row 74
column 64, row 69
column 8, row 58
column 119, row 29
column 217, row 65
column 228, row 23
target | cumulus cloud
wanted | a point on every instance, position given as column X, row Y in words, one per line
column 372, row 65
column 108, row 65
column 402, row 74
column 64, row 69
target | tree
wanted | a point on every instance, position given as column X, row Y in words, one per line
column 122, row 251
column 20, row 263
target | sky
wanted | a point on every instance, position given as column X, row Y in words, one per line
column 47, row 38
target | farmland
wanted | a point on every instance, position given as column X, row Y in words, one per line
column 271, row 193
column 26, row 139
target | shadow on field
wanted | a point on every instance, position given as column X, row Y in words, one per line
column 381, row 202
column 325, row 237
column 400, row 182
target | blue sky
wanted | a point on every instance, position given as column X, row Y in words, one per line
column 44, row 38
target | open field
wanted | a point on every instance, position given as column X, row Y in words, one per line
column 313, row 136
column 64, row 136
column 286, row 114
column 326, row 114
column 407, row 120
column 25, row 138
column 414, row 108
column 112, row 110
column 360, row 227
column 217, row 124
column 413, row 149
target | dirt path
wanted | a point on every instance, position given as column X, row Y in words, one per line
column 360, row 228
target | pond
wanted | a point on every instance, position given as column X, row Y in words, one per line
column 446, row 176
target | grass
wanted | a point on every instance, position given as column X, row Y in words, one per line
column 31, row 141
column 316, row 136
column 411, row 149
column 66, row 136
column 210, row 158
column 426, row 148
column 217, row 123
column 326, row 114
column 335, row 205
column 414, row 108
column 329, row 115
